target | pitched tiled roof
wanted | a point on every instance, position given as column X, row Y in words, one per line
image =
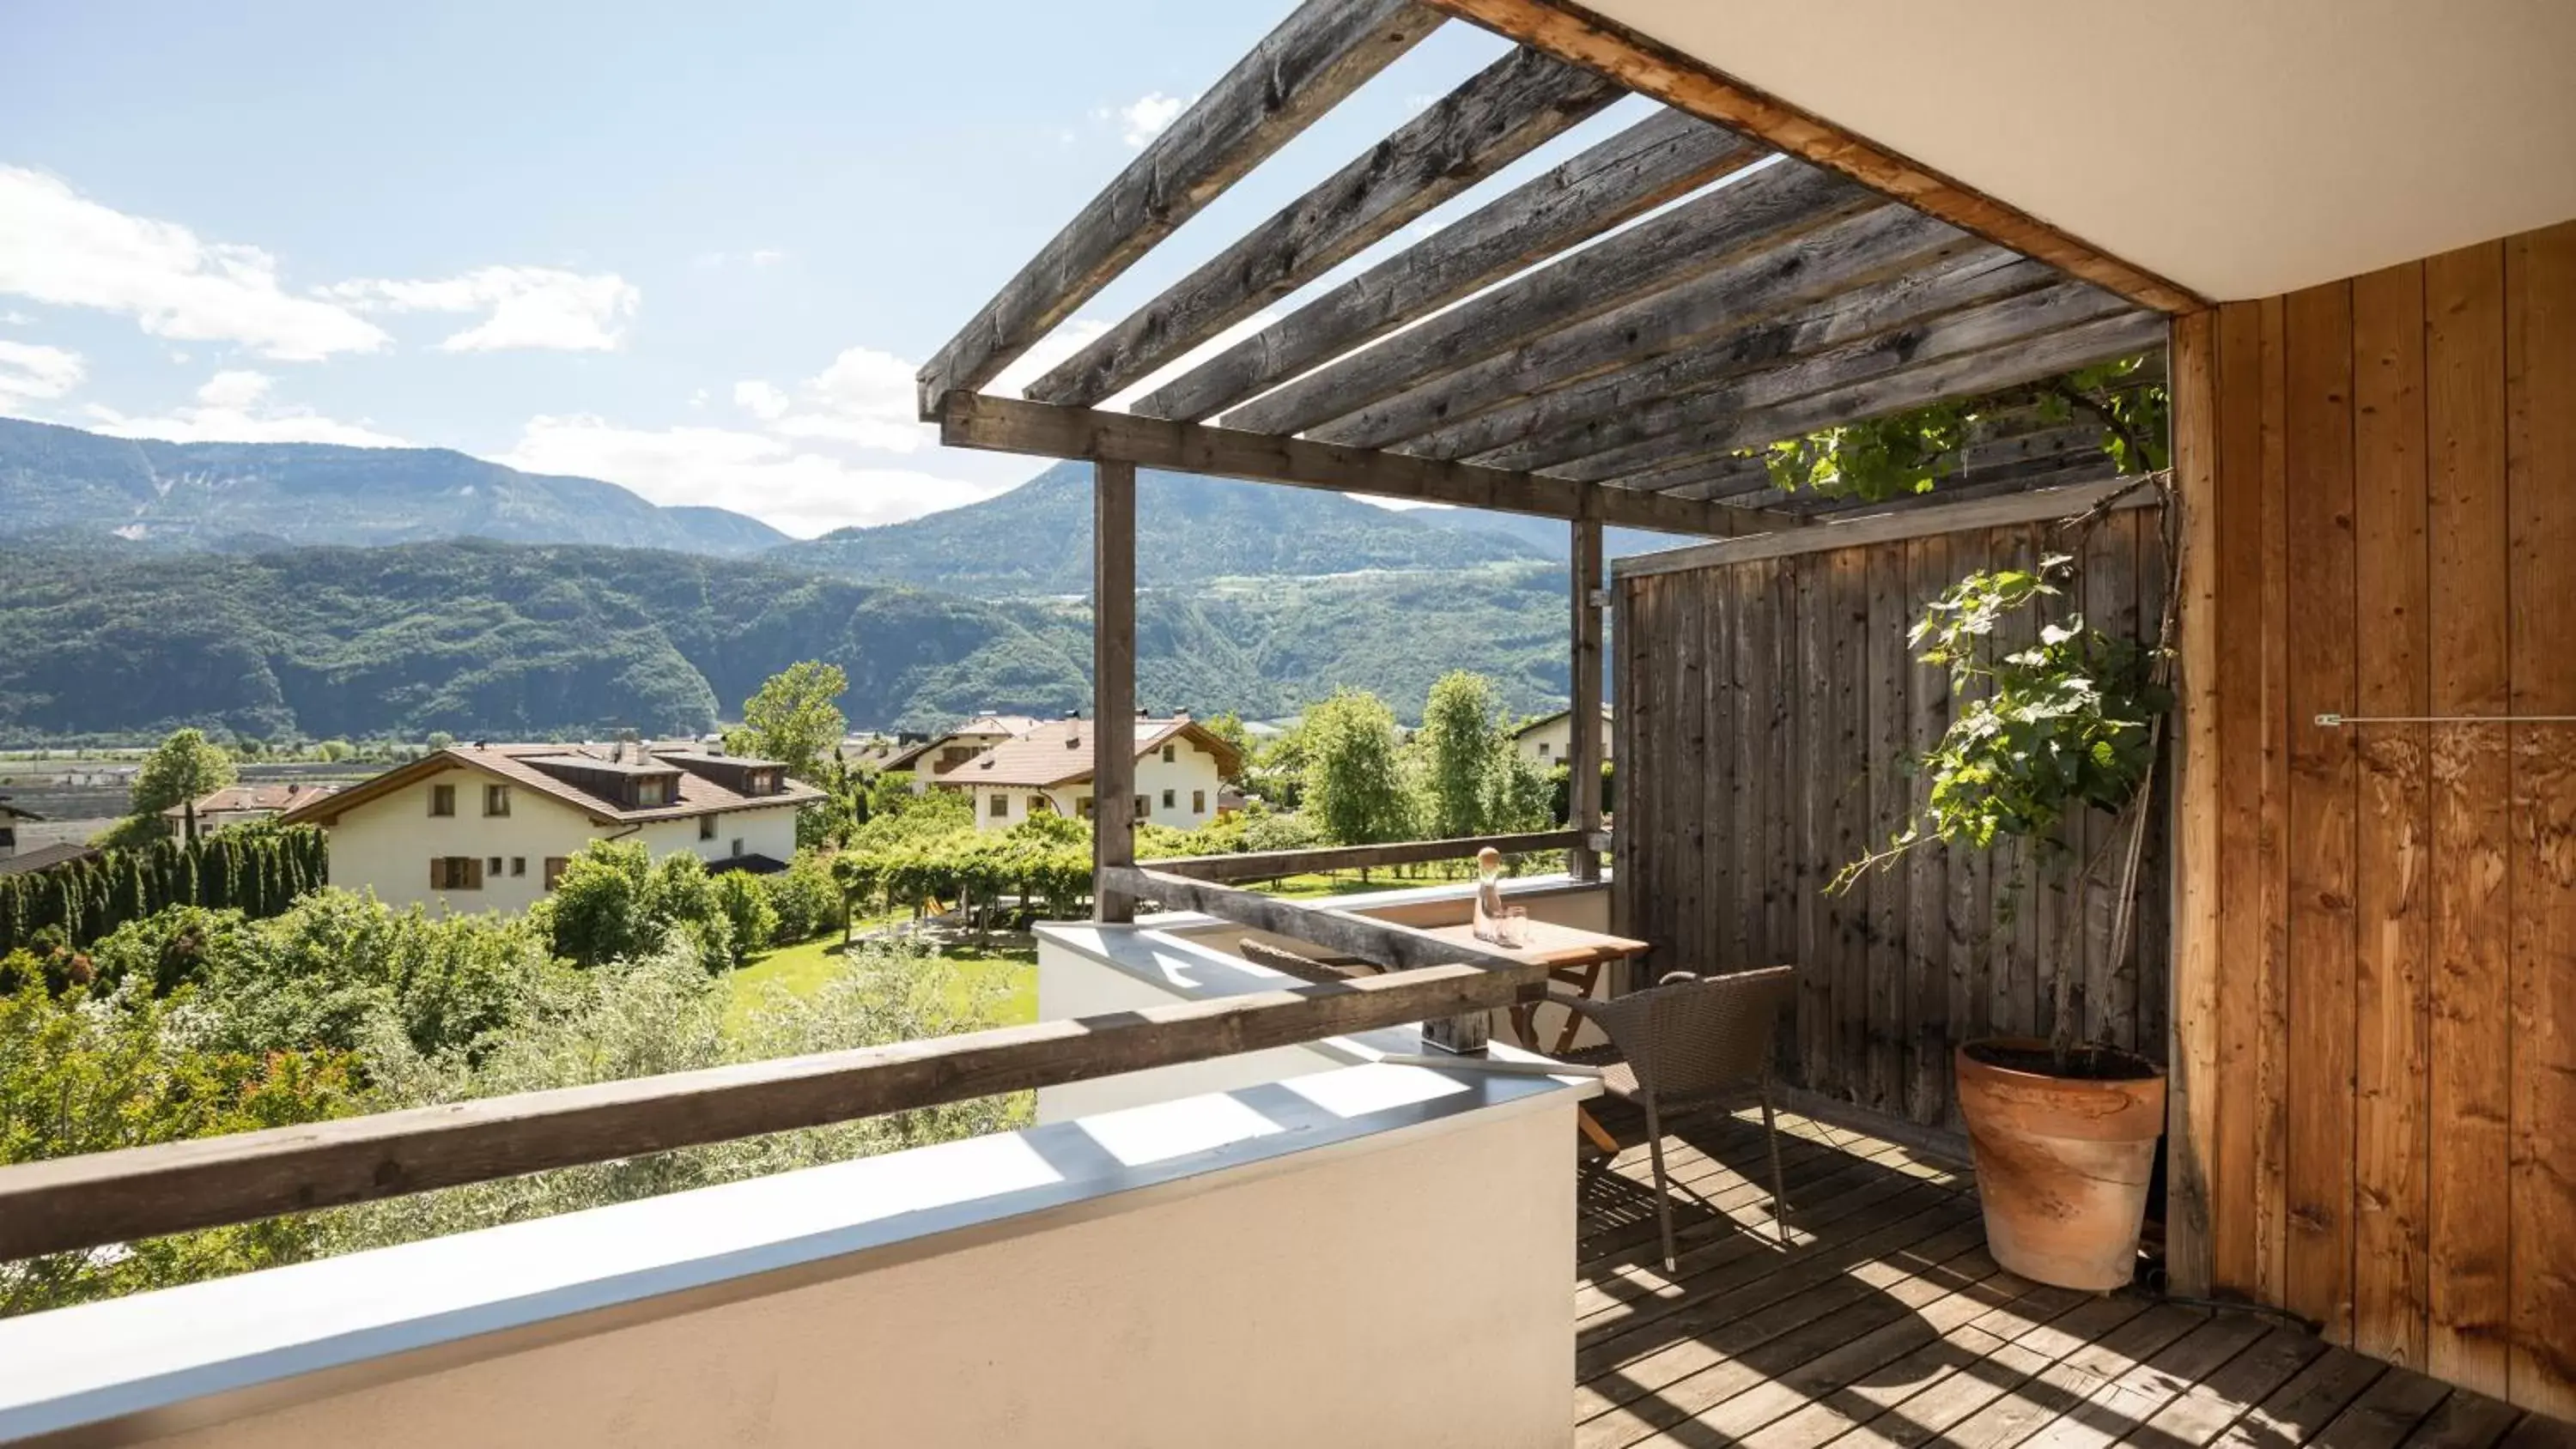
column 1059, row 753
column 1548, row 719
column 270, row 795
column 44, row 857
column 1010, row 726
column 516, row 765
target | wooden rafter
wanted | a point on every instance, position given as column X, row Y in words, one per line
column 976, row 420
column 1652, row 68
column 2082, row 345
column 1884, row 241
column 1650, row 163
column 1508, row 436
column 1495, row 118
column 1756, row 212
column 1643, row 436
column 1316, row 57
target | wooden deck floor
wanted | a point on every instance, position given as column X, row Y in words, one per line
column 1886, row 1323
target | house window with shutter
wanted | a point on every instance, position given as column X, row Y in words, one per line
column 518, row 865
column 555, row 868
column 493, row 865
column 496, row 800
column 456, row 873
column 1142, row 807
column 1081, row 807
column 1000, row 806
column 737, row 847
column 706, row 827
column 1198, row 802
column 1171, row 798
column 442, row 799
column 651, row 792
column 1170, row 753
column 1542, row 749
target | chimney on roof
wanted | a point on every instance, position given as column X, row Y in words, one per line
column 1143, row 713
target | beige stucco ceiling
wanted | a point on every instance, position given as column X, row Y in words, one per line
column 2239, row 147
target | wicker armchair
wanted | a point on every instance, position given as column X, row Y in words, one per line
column 1305, row 968
column 1692, row 1041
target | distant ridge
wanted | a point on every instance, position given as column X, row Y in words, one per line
column 204, row 495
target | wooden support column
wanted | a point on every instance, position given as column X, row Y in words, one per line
column 2193, row 1054
column 1583, row 790
column 1113, row 685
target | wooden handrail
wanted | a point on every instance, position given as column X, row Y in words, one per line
column 1382, row 943
column 142, row 1192
column 1269, row 864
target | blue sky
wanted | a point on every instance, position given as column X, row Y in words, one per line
column 697, row 250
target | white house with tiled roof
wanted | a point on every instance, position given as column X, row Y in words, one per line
column 242, row 804
column 489, row 827
column 1549, row 739
column 934, row 759
column 1180, row 769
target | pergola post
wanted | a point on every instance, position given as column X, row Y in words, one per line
column 1113, row 685
column 1583, row 757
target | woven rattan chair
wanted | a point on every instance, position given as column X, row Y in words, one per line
column 1305, row 968
column 1694, row 1041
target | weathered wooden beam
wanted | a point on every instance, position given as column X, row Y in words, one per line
column 144, row 1192
column 1760, row 210
column 976, row 420
column 1270, row 864
column 1885, row 241
column 1583, row 757
column 1316, row 57
column 1383, row 943
column 1633, row 172
column 1616, row 447
column 1687, row 83
column 1113, row 684
column 2082, row 345
column 1924, row 519
column 1498, row 116
column 1529, row 428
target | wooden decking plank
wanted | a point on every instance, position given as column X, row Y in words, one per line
column 2217, row 1401
column 2004, row 1364
column 2538, row 1431
column 1740, row 1394
column 1746, row 1320
column 2111, row 1411
column 2307, row 1403
column 1885, row 1384
column 2385, row 1416
column 1857, row 1189
column 2035, row 1402
column 1826, row 1175
column 2465, row 1420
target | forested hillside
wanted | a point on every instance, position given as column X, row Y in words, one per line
column 493, row 640
column 1036, row 539
column 197, row 495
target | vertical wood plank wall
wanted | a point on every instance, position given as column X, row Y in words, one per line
column 2379, row 1115
column 1766, row 709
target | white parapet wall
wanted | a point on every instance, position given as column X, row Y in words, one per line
column 1369, row 1255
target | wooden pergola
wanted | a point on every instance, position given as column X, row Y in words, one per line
column 1603, row 343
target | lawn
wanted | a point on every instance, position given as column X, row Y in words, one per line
column 804, row 967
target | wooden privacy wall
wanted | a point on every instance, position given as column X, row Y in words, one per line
column 1766, row 709
column 2376, row 1112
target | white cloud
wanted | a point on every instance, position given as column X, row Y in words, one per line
column 800, row 491
column 1144, row 118
column 529, row 307
column 17, row 319
column 865, row 397
column 233, row 407
column 32, row 373
column 59, row 247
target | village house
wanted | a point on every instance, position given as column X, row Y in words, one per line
column 10, row 815
column 239, row 804
column 936, row 757
column 490, row 827
column 1548, row 740
column 1181, row 769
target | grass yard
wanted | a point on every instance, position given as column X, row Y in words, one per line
column 804, row 967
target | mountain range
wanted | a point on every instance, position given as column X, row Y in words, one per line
column 57, row 480
column 298, row 590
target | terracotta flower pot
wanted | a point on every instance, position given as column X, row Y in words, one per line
column 2062, row 1161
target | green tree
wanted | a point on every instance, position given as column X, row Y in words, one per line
column 1465, row 752
column 794, row 718
column 752, row 920
column 1228, row 726
column 184, row 767
column 1354, row 782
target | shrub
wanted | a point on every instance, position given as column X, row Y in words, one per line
column 751, row 920
column 804, row 898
